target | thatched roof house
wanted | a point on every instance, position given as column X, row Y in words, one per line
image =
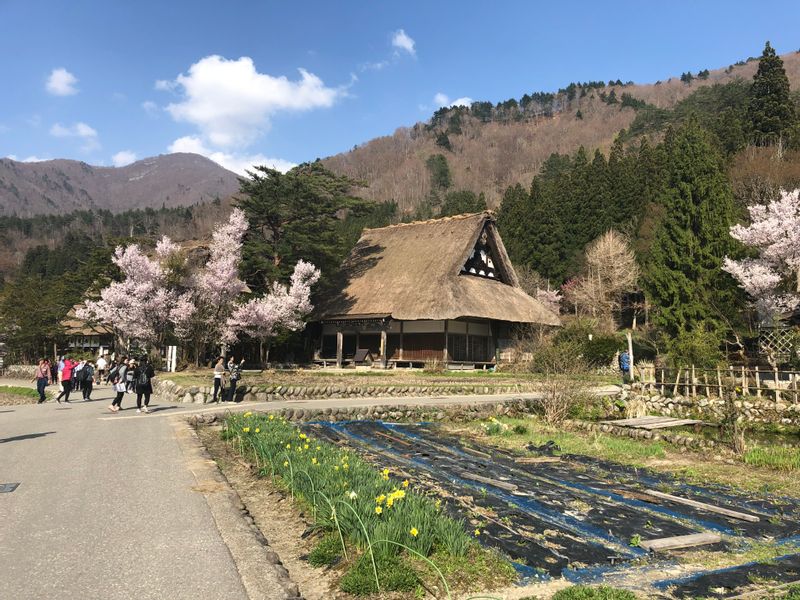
column 442, row 290
column 82, row 334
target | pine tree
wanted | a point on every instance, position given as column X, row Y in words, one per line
column 683, row 275
column 771, row 111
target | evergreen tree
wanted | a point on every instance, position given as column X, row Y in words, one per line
column 457, row 203
column 771, row 111
column 439, row 171
column 683, row 275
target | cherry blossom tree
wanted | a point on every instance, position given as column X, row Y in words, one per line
column 772, row 279
column 282, row 308
column 136, row 308
column 200, row 313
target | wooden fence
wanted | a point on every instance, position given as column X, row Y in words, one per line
column 694, row 382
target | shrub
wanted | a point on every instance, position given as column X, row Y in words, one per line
column 520, row 429
column 326, row 553
column 394, row 575
column 585, row 592
column 699, row 347
column 600, row 350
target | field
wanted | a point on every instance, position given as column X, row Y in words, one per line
column 11, row 395
column 559, row 506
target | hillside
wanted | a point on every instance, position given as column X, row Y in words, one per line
column 491, row 148
column 60, row 186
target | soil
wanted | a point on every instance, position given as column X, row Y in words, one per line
column 15, row 399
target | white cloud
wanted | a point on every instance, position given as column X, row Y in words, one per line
column 231, row 102
column 79, row 130
column 441, row 100
column 402, row 41
column 374, row 66
column 163, row 85
column 61, row 83
column 27, row 159
column 122, row 158
column 150, row 107
column 238, row 163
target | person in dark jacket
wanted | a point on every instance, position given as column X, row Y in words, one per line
column 235, row 370
column 87, row 380
column 625, row 366
column 143, row 381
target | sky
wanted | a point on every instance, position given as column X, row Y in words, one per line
column 280, row 82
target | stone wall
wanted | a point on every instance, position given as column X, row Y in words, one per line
column 19, row 371
column 752, row 409
column 396, row 413
column 169, row 390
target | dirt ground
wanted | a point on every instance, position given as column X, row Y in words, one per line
column 15, row 399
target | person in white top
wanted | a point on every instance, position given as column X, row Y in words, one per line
column 101, row 369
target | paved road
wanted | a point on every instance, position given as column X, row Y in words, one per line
column 105, row 508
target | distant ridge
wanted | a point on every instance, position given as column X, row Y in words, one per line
column 61, row 186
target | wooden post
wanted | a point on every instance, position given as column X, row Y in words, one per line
column 444, row 352
column 719, row 381
column 758, row 383
column 694, row 384
column 384, row 347
column 677, row 383
column 705, row 384
column 400, row 357
column 794, row 386
column 745, row 389
column 663, row 388
column 630, row 354
column 777, row 385
column 339, row 348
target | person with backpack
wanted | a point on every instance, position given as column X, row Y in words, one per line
column 129, row 383
column 76, row 376
column 625, row 365
column 143, row 382
column 235, row 371
column 87, row 380
column 66, row 379
column 117, row 378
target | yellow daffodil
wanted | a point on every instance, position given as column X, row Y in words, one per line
column 380, row 499
column 314, row 460
column 385, row 472
column 477, row 532
column 345, row 466
column 305, row 446
column 319, row 447
column 389, row 502
column 405, row 483
column 414, row 532
column 248, row 414
column 272, row 417
column 288, row 446
column 246, row 429
column 258, row 430
column 438, row 503
column 378, row 510
column 336, row 467
column 286, row 463
column 353, row 495
column 303, row 436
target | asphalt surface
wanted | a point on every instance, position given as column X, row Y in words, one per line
column 104, row 509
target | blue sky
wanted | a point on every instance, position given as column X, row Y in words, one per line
column 285, row 82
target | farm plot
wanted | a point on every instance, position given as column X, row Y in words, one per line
column 575, row 516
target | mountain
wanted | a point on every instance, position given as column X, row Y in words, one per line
column 489, row 147
column 60, row 186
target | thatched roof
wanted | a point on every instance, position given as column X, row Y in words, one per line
column 74, row 326
column 413, row 271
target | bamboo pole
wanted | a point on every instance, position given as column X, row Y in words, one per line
column 719, row 381
column 745, row 390
column 758, row 383
column 694, row 383
column 662, row 381
column 677, row 383
column 777, row 385
column 705, row 384
column 794, row 386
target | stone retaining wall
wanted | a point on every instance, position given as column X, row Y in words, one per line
column 170, row 390
column 753, row 409
column 642, row 434
column 397, row 413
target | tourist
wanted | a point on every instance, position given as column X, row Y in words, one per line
column 143, row 381
column 625, row 365
column 129, row 385
column 87, row 380
column 219, row 374
column 102, row 363
column 66, row 379
column 235, row 371
column 77, row 378
column 43, row 378
column 118, row 378
column 53, row 371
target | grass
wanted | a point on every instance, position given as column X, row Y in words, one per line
column 585, row 592
column 370, row 513
column 19, row 391
column 775, row 457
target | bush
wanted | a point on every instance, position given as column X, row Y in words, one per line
column 585, row 592
column 394, row 575
column 600, row 350
column 699, row 347
column 326, row 553
column 520, row 429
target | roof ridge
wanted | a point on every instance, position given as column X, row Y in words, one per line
column 488, row 213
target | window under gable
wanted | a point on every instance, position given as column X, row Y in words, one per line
column 482, row 263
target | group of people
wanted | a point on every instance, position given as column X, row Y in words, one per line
column 226, row 376
column 125, row 374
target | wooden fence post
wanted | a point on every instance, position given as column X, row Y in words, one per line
column 677, row 383
column 794, row 386
column 694, row 383
column 777, row 385
column 758, row 383
column 663, row 389
column 719, row 381
column 745, row 389
column 705, row 384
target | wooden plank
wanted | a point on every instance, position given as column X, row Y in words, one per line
column 487, row 480
column 680, row 541
column 703, row 506
column 533, row 460
column 637, row 421
column 633, row 495
column 675, row 423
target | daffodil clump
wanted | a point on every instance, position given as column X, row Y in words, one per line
column 494, row 427
column 344, row 492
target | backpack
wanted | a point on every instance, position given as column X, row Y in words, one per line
column 143, row 379
column 87, row 373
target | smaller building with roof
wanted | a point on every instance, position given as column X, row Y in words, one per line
column 441, row 291
column 82, row 335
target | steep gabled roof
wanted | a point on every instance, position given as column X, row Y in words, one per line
column 414, row 271
column 74, row 326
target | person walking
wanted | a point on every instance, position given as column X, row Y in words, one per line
column 102, row 363
column 87, row 380
column 43, row 378
column 219, row 374
column 129, row 383
column 117, row 376
column 77, row 377
column 625, row 366
column 66, row 379
column 235, row 371
column 143, row 382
